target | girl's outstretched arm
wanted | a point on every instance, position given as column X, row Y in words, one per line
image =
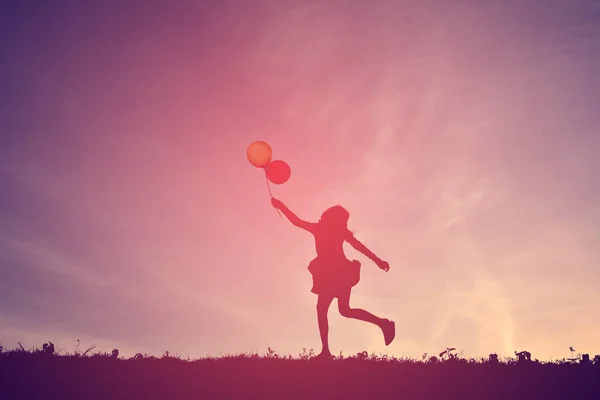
column 354, row 242
column 291, row 216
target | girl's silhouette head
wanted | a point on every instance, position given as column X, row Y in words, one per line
column 335, row 217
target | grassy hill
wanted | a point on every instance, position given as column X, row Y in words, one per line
column 39, row 374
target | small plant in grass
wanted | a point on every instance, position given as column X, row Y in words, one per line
column 169, row 356
column 307, row 354
column 88, row 350
column 573, row 359
column 523, row 356
column 271, row 353
column 78, row 353
column 585, row 359
column 48, row 348
column 447, row 354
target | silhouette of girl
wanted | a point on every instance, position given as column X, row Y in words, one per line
column 333, row 274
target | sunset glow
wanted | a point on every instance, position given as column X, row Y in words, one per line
column 462, row 137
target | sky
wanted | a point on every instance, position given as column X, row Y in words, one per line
column 462, row 136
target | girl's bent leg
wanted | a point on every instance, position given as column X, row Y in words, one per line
column 323, row 303
column 357, row 313
column 387, row 327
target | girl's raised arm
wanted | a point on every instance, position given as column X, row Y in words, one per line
column 354, row 242
column 293, row 218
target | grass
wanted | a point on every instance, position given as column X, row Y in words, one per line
column 42, row 374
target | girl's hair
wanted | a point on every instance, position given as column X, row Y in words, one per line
column 335, row 217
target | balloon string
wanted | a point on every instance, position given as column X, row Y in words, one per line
column 270, row 194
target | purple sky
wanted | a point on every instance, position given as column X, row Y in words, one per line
column 462, row 136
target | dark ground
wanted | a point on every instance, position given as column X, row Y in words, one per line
column 31, row 375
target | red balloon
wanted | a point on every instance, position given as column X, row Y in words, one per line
column 278, row 172
column 259, row 154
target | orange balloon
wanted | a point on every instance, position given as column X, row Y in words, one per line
column 259, row 154
column 278, row 172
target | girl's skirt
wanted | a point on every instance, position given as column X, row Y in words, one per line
column 334, row 277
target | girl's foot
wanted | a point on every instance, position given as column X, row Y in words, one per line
column 389, row 331
column 324, row 355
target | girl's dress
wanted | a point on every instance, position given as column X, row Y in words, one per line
column 333, row 274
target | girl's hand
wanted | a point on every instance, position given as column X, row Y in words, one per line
column 384, row 265
column 276, row 203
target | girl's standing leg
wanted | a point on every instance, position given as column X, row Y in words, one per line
column 323, row 303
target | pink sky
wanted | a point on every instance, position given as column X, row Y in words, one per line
column 462, row 137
